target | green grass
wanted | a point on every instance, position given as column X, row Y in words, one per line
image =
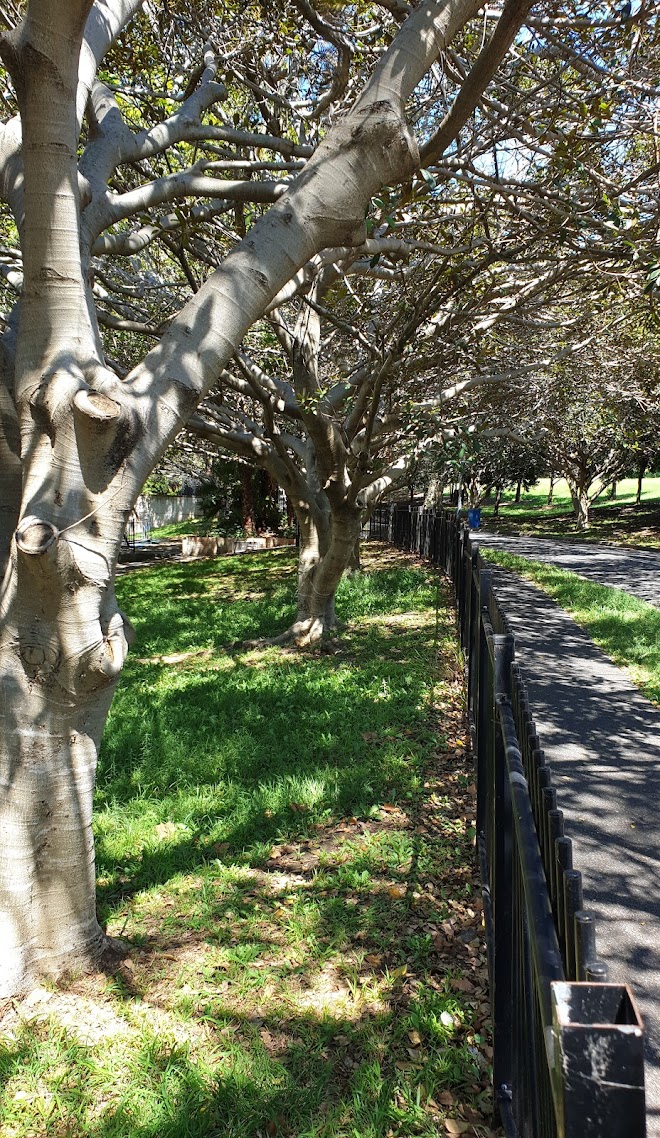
column 617, row 520
column 286, row 840
column 180, row 529
column 627, row 629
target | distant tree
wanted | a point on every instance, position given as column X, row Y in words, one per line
column 591, row 411
column 235, row 497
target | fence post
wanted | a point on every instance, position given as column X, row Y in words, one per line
column 481, row 700
column 481, row 579
column 435, row 539
column 598, row 1072
column 501, row 891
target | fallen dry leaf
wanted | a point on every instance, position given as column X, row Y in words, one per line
column 454, row 1126
column 462, row 985
column 166, row 830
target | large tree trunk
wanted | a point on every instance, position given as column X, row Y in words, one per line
column 48, row 761
column 62, row 646
column 355, row 563
column 62, row 642
column 325, row 554
column 10, row 450
column 433, row 496
column 498, row 499
column 314, row 536
column 290, row 513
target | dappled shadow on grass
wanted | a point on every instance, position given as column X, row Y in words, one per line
column 258, row 1096
column 270, row 743
column 261, row 1094
column 309, row 1076
column 314, row 995
column 279, row 836
column 617, row 522
column 215, row 603
column 208, row 603
column 230, row 903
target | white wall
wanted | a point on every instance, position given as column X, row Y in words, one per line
column 162, row 510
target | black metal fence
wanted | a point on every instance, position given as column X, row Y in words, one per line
column 568, row 1046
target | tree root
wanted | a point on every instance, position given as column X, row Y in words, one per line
column 306, row 633
column 113, row 950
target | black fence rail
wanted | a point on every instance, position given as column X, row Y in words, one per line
column 568, row 1046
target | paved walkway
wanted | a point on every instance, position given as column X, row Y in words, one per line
column 141, row 554
column 637, row 571
column 602, row 739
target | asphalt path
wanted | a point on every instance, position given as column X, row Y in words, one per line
column 637, row 571
column 602, row 740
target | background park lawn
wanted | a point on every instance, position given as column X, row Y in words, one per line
column 286, row 841
column 618, row 520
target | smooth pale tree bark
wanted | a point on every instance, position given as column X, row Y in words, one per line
column 247, row 501
column 87, row 441
column 61, row 639
column 321, row 568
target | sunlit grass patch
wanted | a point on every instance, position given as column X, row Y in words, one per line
column 285, row 841
column 617, row 520
column 180, row 529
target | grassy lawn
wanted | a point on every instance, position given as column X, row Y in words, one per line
column 286, row 841
column 194, row 527
column 616, row 520
column 627, row 629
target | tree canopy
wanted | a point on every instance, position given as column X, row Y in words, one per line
column 310, row 233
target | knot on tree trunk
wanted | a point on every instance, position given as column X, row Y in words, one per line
column 98, row 409
column 35, row 537
column 78, row 643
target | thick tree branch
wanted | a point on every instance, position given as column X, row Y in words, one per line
column 488, row 60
